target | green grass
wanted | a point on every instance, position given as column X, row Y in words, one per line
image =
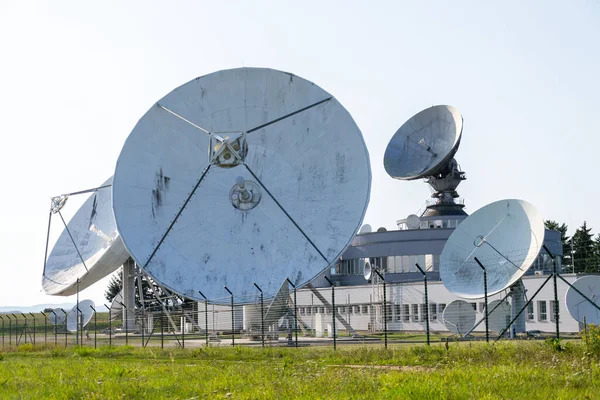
column 531, row 370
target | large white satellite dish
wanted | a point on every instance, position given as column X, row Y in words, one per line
column 505, row 236
column 459, row 317
column 86, row 313
column 89, row 248
column 240, row 176
column 578, row 306
column 499, row 317
column 425, row 144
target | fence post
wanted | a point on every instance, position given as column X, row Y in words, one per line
column 487, row 330
column 205, row 316
column 45, row 328
column 162, row 330
column 2, row 331
column 64, row 312
column 126, row 324
column 96, row 325
column 109, row 327
column 295, row 311
column 334, row 333
column 262, row 316
column 55, row 321
column 556, row 306
column 232, row 317
column 426, row 303
column 24, row 333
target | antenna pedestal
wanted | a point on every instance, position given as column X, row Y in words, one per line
column 444, row 187
column 129, row 295
column 517, row 292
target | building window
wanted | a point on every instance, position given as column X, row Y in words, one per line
column 356, row 310
column 398, row 312
column 341, row 310
column 365, row 309
column 433, row 312
column 415, row 312
column 322, row 310
column 388, row 310
column 441, row 307
column 315, row 310
column 530, row 316
column 302, row 311
column 308, row 309
column 552, row 313
column 406, row 313
column 542, row 312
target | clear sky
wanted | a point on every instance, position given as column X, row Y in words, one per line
column 75, row 77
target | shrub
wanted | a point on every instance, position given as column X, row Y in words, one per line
column 591, row 338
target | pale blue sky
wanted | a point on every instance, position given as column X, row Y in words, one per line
column 76, row 77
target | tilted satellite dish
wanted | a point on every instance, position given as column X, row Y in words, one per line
column 366, row 228
column 425, row 144
column 116, row 307
column 89, row 248
column 578, row 306
column 413, row 221
column 368, row 271
column 505, row 236
column 86, row 314
column 459, row 317
column 240, row 176
column 499, row 318
column 57, row 317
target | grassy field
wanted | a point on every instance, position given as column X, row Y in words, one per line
column 529, row 370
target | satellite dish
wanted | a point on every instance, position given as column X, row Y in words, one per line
column 459, row 317
column 413, row 221
column 57, row 317
column 499, row 318
column 381, row 229
column 578, row 306
column 116, row 307
column 425, row 144
column 368, row 271
column 86, row 315
column 366, row 228
column 192, row 224
column 97, row 242
column 505, row 236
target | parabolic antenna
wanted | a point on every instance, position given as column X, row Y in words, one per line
column 366, row 228
column 505, row 236
column 459, row 317
column 241, row 176
column 413, row 221
column 425, row 144
column 89, row 248
column 86, row 315
column 367, row 271
column 116, row 307
column 57, row 317
column 578, row 306
column 499, row 318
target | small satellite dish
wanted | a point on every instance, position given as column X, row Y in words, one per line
column 578, row 306
column 92, row 236
column 366, row 228
column 459, row 317
column 189, row 221
column 413, row 221
column 505, row 236
column 86, row 315
column 381, row 229
column 116, row 307
column 425, row 144
column 499, row 318
column 368, row 271
column 57, row 317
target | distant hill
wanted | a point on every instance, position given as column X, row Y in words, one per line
column 34, row 309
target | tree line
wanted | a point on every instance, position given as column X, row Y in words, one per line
column 581, row 252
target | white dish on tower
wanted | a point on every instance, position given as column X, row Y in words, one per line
column 413, row 221
column 96, row 240
column 86, row 313
column 578, row 306
column 425, row 144
column 241, row 176
column 505, row 236
column 459, row 317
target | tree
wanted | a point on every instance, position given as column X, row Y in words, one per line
column 114, row 286
column 562, row 228
column 584, row 248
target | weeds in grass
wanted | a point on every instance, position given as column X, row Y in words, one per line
column 591, row 339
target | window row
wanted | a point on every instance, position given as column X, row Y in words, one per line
column 395, row 312
column 543, row 309
column 390, row 264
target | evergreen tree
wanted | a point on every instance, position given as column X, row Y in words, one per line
column 584, row 247
column 114, row 286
